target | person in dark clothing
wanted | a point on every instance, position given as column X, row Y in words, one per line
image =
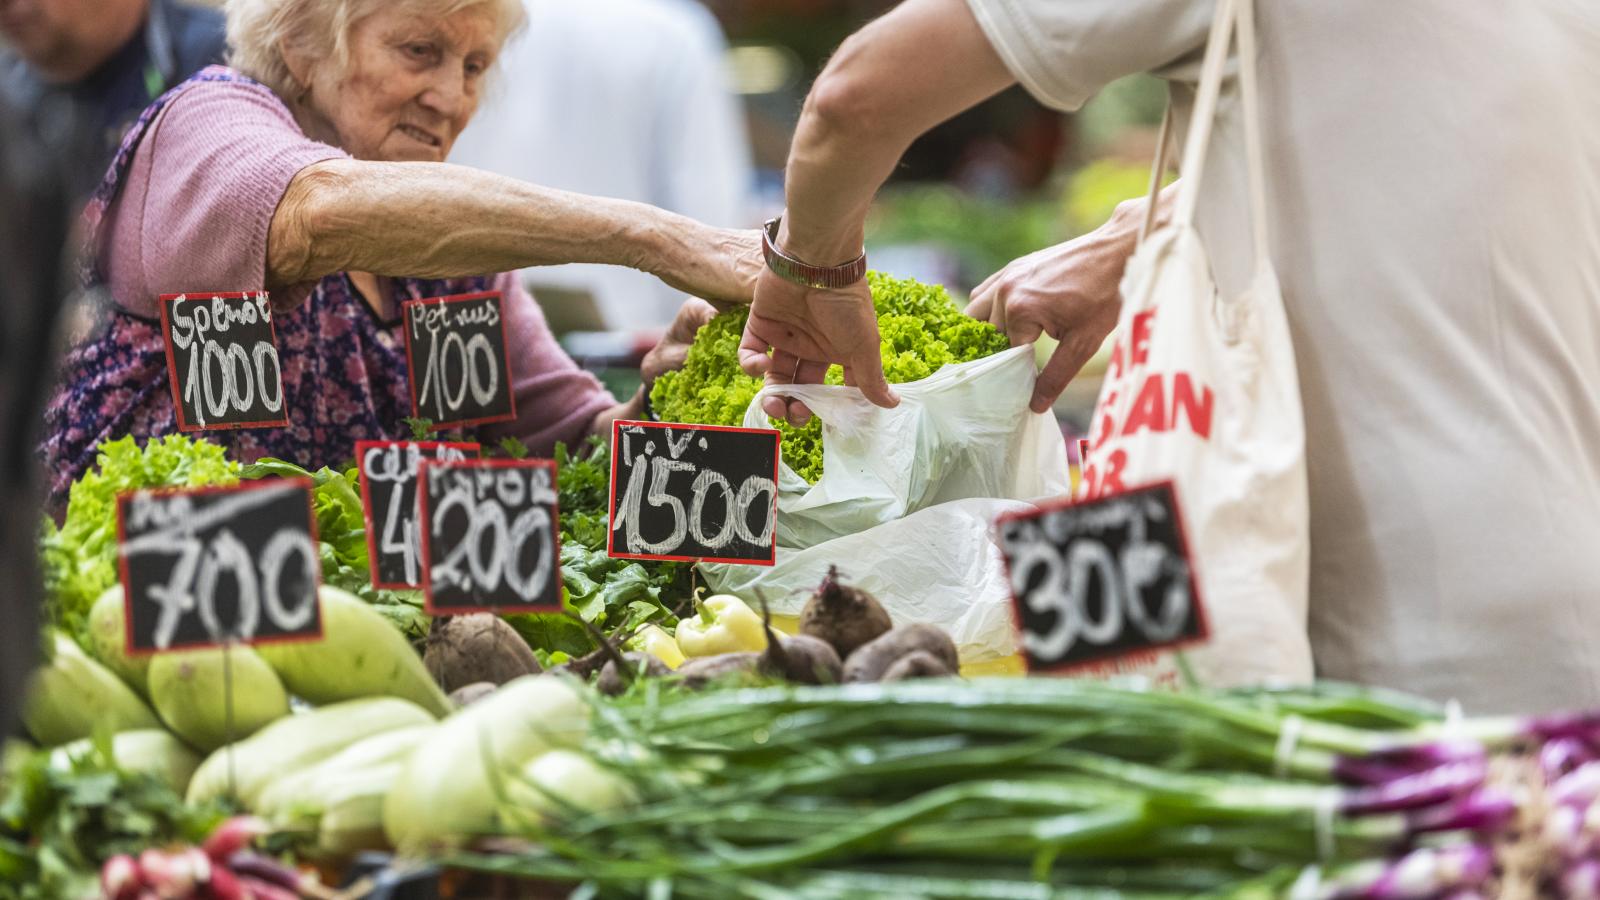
column 107, row 59
column 42, row 151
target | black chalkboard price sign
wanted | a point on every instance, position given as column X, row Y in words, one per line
column 211, row 566
column 694, row 492
column 222, row 360
column 490, row 536
column 456, row 355
column 389, row 503
column 1102, row 579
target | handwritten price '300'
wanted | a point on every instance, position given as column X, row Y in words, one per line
column 1124, row 576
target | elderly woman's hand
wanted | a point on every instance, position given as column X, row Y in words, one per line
column 673, row 348
column 719, row 264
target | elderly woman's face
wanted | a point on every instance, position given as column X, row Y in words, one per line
column 412, row 84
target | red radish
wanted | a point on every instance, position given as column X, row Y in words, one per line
column 265, row 890
column 174, row 876
column 234, row 835
column 119, row 878
column 224, row 885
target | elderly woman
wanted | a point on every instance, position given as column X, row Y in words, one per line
column 313, row 169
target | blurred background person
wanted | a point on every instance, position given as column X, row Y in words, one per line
column 106, row 58
column 625, row 99
column 38, row 157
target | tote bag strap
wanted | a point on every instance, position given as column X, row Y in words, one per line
column 1232, row 17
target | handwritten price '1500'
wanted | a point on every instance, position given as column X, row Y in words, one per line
column 658, row 471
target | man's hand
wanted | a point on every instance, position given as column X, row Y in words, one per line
column 1069, row 291
column 669, row 353
column 719, row 264
column 806, row 330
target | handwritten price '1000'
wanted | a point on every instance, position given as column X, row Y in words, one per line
column 1064, row 582
column 201, row 563
column 658, row 470
column 241, row 373
column 483, row 496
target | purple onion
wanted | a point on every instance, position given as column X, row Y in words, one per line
column 1424, row 874
column 1384, row 766
column 1581, row 881
column 1485, row 811
column 1418, row 790
column 1579, row 787
column 1561, row 756
column 1581, row 725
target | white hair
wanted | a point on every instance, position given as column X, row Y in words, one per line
column 258, row 30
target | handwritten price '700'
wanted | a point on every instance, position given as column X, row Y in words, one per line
column 1124, row 576
column 242, row 374
column 200, row 563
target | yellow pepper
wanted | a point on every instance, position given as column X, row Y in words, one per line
column 724, row 624
column 654, row 640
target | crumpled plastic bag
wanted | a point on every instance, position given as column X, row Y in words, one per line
column 908, row 496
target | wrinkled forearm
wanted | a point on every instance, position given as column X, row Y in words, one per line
column 436, row 220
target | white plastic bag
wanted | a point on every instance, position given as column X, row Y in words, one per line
column 1202, row 391
column 908, row 496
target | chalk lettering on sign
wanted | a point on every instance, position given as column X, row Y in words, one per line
column 693, row 492
column 1101, row 580
column 490, row 535
column 216, row 565
column 224, row 360
column 389, row 496
column 457, row 352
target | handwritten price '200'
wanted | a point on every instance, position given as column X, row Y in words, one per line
column 200, row 563
column 658, row 470
column 1065, row 583
column 243, row 373
column 484, row 495
column 467, row 352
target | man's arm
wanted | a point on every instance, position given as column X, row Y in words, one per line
column 888, row 84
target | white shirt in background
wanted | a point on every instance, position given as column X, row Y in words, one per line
column 626, row 99
column 1433, row 174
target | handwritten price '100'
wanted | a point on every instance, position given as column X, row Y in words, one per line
column 241, row 373
column 192, row 586
column 467, row 351
column 1065, row 584
column 484, row 495
column 692, row 522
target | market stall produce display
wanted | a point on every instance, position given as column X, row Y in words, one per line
column 920, row 327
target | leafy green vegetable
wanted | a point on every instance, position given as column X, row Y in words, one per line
column 80, row 557
column 342, row 541
column 920, row 329
column 58, row 825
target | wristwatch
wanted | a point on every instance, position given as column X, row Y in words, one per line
column 804, row 274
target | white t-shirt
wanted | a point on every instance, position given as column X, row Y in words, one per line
column 1433, row 173
column 618, row 98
